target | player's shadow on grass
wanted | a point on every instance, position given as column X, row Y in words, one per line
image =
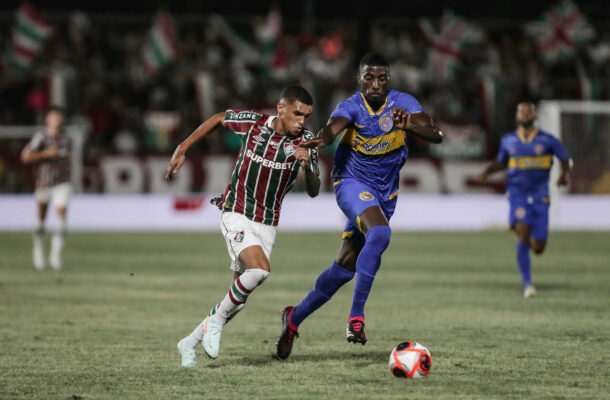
column 513, row 286
column 362, row 359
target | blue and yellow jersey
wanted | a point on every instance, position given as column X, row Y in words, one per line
column 372, row 149
column 529, row 162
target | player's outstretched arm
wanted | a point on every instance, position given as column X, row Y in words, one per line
column 492, row 167
column 312, row 180
column 179, row 155
column 419, row 123
column 28, row 156
column 327, row 135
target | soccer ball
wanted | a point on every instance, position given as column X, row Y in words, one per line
column 410, row 360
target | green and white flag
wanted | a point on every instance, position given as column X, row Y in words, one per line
column 160, row 47
column 272, row 54
column 447, row 43
column 28, row 36
column 560, row 31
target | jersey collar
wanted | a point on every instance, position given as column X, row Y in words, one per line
column 370, row 110
column 527, row 140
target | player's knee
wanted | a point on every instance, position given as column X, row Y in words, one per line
column 379, row 236
column 347, row 260
column 258, row 274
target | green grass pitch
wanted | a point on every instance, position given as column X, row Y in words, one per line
column 106, row 327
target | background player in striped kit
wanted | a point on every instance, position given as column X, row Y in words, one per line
column 49, row 149
column 367, row 163
column 528, row 153
column 266, row 168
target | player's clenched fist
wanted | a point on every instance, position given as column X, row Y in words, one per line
column 400, row 117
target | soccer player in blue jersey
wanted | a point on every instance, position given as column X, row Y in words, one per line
column 527, row 154
column 375, row 122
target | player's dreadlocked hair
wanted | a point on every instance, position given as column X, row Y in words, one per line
column 374, row 60
column 293, row 93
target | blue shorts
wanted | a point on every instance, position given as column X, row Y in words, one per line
column 531, row 212
column 353, row 197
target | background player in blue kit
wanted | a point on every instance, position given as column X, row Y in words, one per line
column 528, row 155
column 374, row 122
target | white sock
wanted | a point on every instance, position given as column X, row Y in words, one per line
column 39, row 230
column 238, row 294
column 57, row 243
column 38, row 250
column 62, row 225
column 197, row 335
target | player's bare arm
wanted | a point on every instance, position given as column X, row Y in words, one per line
column 179, row 155
column 418, row 123
column 564, row 176
column 492, row 167
column 312, row 180
column 327, row 135
column 28, row 156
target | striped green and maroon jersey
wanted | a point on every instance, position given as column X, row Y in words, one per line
column 266, row 167
column 53, row 171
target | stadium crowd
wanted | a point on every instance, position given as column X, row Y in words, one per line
column 107, row 87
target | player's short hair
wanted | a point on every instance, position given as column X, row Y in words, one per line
column 374, row 60
column 527, row 103
column 55, row 108
column 293, row 93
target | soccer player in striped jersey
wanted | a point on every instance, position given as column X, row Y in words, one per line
column 266, row 168
column 375, row 123
column 49, row 149
column 527, row 154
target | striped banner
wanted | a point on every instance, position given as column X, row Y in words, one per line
column 447, row 44
column 560, row 31
column 28, row 36
column 160, row 47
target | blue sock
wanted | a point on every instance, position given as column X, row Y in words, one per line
column 367, row 264
column 523, row 258
column 326, row 286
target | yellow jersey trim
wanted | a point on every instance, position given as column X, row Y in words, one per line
column 347, row 235
column 358, row 222
column 370, row 110
column 337, row 182
column 394, row 194
column 531, row 162
column 527, row 140
column 374, row 145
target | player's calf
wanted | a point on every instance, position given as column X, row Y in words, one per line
column 538, row 246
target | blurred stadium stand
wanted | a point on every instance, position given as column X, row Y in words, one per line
column 230, row 56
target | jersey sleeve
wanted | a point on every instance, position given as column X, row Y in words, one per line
column 503, row 155
column 240, row 122
column 409, row 103
column 558, row 149
column 346, row 109
column 36, row 143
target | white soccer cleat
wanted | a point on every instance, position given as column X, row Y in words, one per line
column 529, row 291
column 211, row 338
column 38, row 252
column 187, row 352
